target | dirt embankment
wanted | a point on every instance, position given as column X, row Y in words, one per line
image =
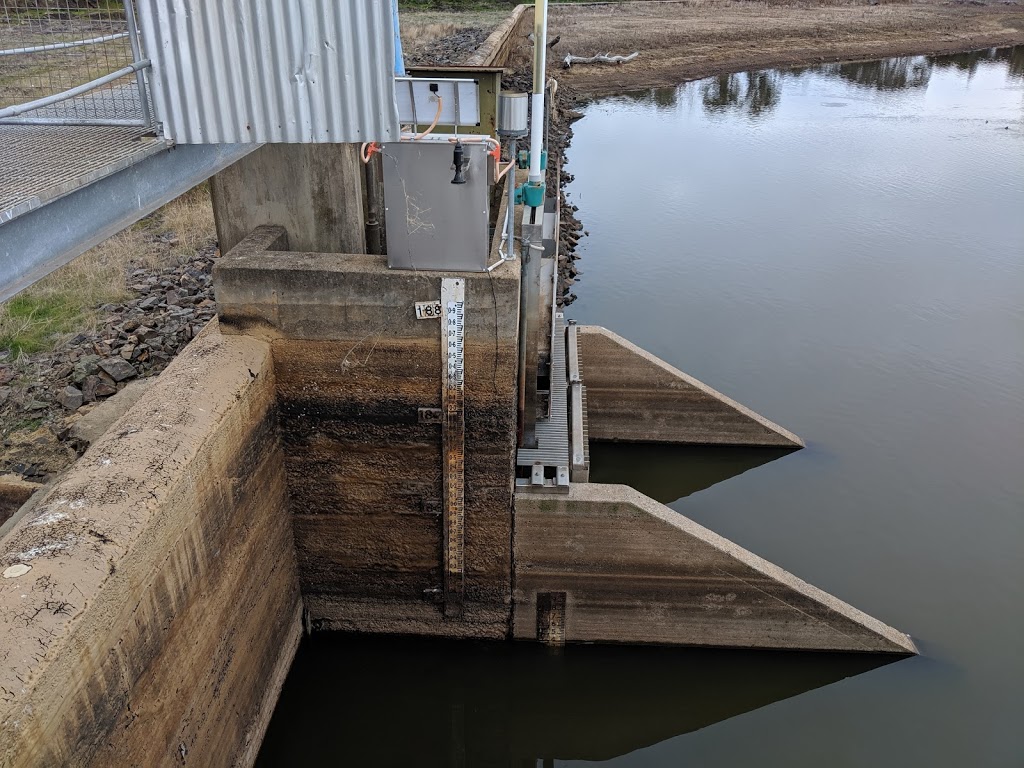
column 681, row 41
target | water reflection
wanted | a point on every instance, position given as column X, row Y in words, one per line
column 667, row 473
column 756, row 94
column 392, row 702
column 886, row 75
column 970, row 60
column 753, row 93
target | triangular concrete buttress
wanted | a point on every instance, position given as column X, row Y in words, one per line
column 607, row 564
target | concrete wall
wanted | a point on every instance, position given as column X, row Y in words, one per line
column 162, row 608
column 316, row 191
column 501, row 45
column 353, row 366
column 630, row 570
column 632, row 396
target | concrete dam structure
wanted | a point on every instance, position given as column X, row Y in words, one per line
column 354, row 446
column 279, row 473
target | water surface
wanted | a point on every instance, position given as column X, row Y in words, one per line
column 841, row 249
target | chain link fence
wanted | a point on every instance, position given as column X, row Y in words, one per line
column 71, row 62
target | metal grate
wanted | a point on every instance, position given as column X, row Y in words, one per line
column 553, row 432
column 39, row 164
column 51, row 47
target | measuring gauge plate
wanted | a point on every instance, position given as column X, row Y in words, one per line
column 453, row 300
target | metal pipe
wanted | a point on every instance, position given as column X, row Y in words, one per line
column 140, row 77
column 119, row 121
column 78, row 90
column 372, row 174
column 399, row 58
column 510, row 222
column 540, row 39
column 59, row 46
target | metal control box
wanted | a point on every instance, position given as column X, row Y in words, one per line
column 432, row 223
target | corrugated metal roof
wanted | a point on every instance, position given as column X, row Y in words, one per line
column 279, row 71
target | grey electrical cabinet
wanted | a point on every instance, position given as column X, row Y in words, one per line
column 432, row 223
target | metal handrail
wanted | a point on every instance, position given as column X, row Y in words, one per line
column 59, row 46
column 12, row 114
column 18, row 109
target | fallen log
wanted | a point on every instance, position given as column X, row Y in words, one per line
column 601, row 58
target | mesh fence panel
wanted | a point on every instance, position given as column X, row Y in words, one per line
column 50, row 46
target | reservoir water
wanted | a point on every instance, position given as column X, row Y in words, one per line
column 842, row 249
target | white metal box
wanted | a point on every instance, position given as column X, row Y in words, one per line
column 430, row 222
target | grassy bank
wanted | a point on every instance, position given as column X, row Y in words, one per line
column 69, row 300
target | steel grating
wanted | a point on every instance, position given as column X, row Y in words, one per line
column 553, row 432
column 39, row 164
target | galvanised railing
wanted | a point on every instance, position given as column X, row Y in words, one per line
column 72, row 62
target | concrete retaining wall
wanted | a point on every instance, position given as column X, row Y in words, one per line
column 632, row 396
column 501, row 45
column 162, row 608
column 630, row 570
column 353, row 367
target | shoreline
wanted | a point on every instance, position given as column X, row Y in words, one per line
column 682, row 42
column 602, row 90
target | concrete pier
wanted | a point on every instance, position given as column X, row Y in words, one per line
column 354, row 366
column 288, row 466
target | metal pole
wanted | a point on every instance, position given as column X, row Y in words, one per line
column 540, row 38
column 510, row 224
column 374, row 244
column 140, row 77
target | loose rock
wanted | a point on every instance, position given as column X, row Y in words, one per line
column 71, row 398
column 118, row 369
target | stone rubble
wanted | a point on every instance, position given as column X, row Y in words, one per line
column 134, row 339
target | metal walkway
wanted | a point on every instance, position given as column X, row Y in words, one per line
column 64, row 189
column 39, row 164
column 548, row 463
column 80, row 156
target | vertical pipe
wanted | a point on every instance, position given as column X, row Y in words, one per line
column 540, row 47
column 399, row 58
column 510, row 237
column 374, row 244
column 140, row 77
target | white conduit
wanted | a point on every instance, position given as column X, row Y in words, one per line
column 540, row 38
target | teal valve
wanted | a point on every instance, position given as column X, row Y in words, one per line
column 531, row 193
column 523, row 159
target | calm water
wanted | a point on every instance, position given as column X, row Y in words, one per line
column 841, row 249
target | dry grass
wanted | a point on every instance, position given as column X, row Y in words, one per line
column 415, row 35
column 67, row 301
column 421, row 28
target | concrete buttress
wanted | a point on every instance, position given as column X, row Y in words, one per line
column 632, row 396
column 621, row 568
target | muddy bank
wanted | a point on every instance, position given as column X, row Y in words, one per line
column 680, row 41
